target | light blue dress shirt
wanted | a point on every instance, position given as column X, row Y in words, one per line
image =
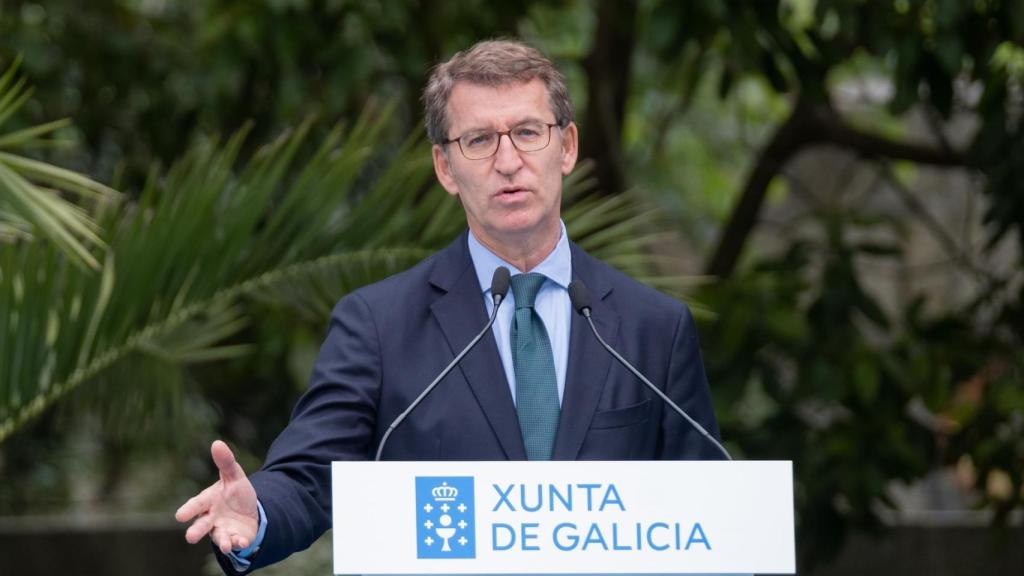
column 240, row 558
column 552, row 304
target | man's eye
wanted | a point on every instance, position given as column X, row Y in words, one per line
column 527, row 132
column 478, row 140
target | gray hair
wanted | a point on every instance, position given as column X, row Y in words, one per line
column 492, row 63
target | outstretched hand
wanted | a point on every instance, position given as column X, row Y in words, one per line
column 226, row 510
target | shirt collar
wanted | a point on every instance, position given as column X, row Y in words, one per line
column 557, row 267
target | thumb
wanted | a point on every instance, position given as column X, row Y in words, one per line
column 225, row 461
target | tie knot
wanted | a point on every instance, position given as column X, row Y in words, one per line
column 525, row 288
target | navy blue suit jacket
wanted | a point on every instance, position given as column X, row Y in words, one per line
column 387, row 341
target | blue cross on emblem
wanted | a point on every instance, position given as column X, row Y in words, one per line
column 445, row 517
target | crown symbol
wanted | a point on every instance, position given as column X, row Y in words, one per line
column 445, row 493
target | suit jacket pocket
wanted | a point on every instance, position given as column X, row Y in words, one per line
column 621, row 417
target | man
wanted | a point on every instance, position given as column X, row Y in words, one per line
column 538, row 387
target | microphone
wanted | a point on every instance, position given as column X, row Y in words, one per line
column 499, row 289
column 580, row 298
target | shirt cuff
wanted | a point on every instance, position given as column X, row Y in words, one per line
column 240, row 558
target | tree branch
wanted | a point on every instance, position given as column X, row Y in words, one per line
column 795, row 133
column 871, row 145
column 809, row 123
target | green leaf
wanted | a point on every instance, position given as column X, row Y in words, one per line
column 29, row 208
column 865, row 378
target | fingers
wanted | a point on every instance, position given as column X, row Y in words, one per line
column 223, row 536
column 222, row 510
column 225, row 461
column 227, row 540
column 221, row 541
column 198, row 529
column 196, row 505
column 239, row 543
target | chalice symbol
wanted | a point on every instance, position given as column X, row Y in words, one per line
column 445, row 531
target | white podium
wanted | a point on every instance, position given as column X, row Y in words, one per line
column 629, row 517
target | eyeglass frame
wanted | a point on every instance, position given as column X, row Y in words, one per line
column 500, row 133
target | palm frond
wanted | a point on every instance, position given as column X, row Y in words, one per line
column 309, row 290
column 297, row 225
column 30, row 190
column 620, row 229
column 201, row 236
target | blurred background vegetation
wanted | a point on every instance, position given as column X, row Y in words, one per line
column 835, row 186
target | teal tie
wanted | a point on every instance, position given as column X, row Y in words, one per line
column 534, row 365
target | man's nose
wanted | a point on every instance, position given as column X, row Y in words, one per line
column 507, row 159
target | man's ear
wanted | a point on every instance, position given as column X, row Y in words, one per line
column 570, row 147
column 443, row 170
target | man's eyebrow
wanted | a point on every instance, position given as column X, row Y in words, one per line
column 473, row 129
column 521, row 121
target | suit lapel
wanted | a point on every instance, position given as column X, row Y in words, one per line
column 461, row 314
column 588, row 362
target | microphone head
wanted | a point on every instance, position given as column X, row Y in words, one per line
column 500, row 282
column 579, row 296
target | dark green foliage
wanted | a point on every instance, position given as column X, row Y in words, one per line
column 808, row 367
column 806, row 362
column 141, row 78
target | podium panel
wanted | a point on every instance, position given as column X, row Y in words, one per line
column 631, row 517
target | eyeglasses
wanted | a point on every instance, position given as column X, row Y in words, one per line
column 526, row 137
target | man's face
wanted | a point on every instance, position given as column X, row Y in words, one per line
column 512, row 195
